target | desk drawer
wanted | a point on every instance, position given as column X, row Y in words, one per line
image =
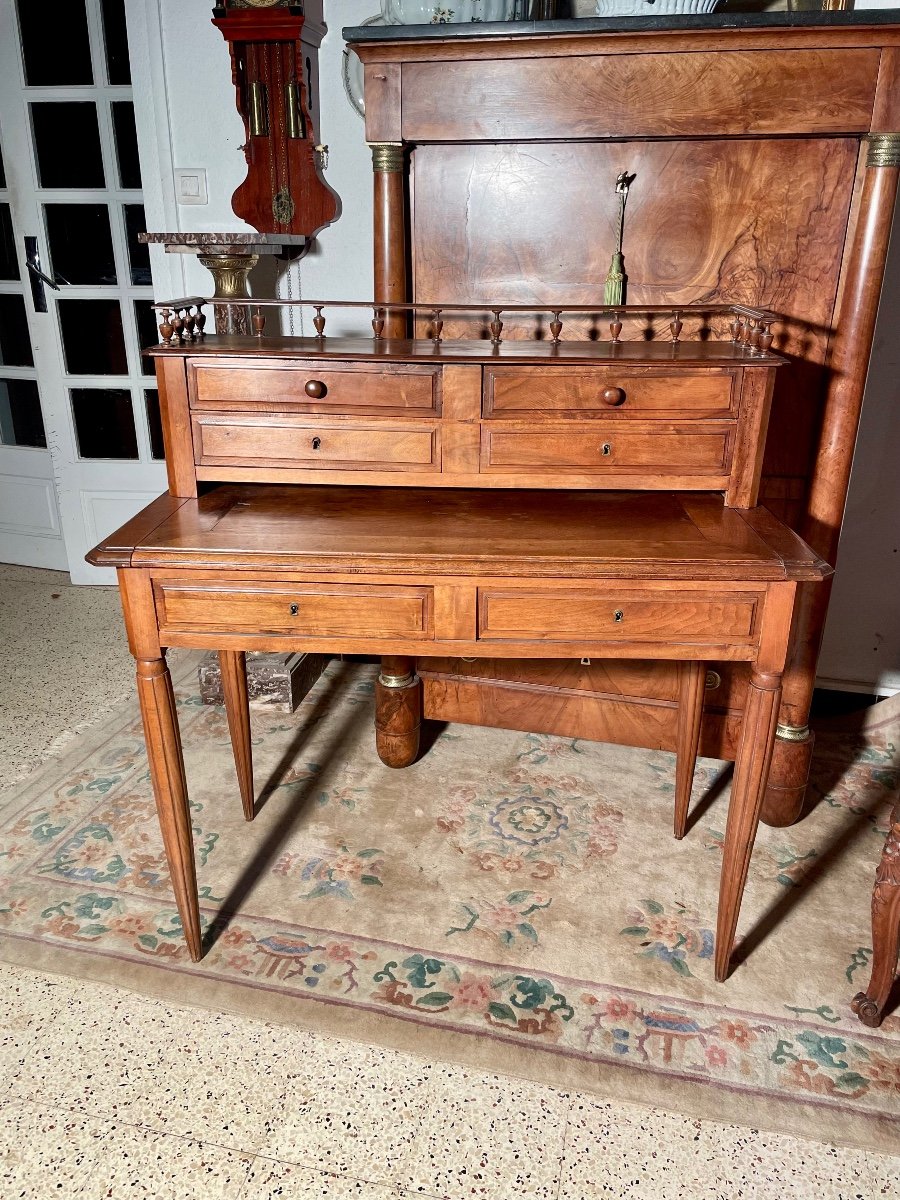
column 614, row 614
column 310, row 385
column 226, row 439
column 313, row 610
column 509, row 391
column 606, row 447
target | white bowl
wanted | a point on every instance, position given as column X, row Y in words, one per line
column 646, row 8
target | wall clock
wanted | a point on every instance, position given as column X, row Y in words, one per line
column 284, row 192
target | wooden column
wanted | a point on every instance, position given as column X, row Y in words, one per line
column 388, row 163
column 398, row 711
column 847, row 364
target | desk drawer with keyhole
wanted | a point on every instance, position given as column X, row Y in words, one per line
column 702, row 448
column 235, row 439
column 316, row 610
column 618, row 614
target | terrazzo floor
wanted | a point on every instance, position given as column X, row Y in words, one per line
column 107, row 1094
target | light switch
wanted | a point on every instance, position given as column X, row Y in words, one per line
column 190, row 185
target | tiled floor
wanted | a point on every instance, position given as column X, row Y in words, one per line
column 106, row 1094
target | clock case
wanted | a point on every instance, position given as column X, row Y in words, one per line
column 284, row 192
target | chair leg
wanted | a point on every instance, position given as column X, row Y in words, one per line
column 233, row 664
column 869, row 1005
column 691, row 691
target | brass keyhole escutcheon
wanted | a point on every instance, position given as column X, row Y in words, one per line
column 606, row 448
column 315, row 389
column 613, row 396
column 295, row 610
column 316, row 443
column 618, row 615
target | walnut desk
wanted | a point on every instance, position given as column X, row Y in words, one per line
column 406, row 572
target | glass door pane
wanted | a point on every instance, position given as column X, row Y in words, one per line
column 77, row 181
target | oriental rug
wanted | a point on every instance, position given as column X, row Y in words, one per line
column 512, row 901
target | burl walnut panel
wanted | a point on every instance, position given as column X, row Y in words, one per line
column 758, row 222
column 732, row 92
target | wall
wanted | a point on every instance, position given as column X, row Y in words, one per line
column 189, row 120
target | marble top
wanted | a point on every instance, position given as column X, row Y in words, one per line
column 248, row 240
column 726, row 19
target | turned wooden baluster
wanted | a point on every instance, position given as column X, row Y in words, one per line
column 736, row 329
column 177, row 325
column 165, row 327
column 378, row 323
column 437, row 325
column 258, row 321
column 676, row 325
column 201, row 323
column 319, row 321
column 496, row 327
column 766, row 337
column 556, row 327
column 615, row 329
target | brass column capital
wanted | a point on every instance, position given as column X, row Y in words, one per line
column 884, row 150
column 387, row 156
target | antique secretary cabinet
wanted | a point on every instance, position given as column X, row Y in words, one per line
column 765, row 151
column 544, row 508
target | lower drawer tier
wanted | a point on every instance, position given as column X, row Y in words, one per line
column 460, row 613
column 703, row 448
column 315, row 610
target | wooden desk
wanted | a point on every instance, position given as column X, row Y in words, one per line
column 418, row 572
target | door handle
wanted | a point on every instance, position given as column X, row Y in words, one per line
column 37, row 276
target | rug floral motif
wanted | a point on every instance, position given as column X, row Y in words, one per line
column 516, row 887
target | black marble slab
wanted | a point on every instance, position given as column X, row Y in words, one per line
column 724, row 19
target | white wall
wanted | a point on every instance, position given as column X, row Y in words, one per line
column 190, row 120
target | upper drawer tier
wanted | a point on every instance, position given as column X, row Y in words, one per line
column 310, row 385
column 610, row 390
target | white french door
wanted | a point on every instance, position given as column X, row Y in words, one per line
column 80, row 440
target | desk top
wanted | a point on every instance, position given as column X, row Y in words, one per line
column 689, row 353
column 416, row 531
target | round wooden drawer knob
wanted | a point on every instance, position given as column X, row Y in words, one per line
column 315, row 388
column 613, row 396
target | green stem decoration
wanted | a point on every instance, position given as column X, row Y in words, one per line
column 614, row 292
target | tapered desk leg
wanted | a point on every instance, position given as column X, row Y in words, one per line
column 233, row 664
column 157, row 699
column 691, row 691
column 750, row 776
column 869, row 1005
column 398, row 711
